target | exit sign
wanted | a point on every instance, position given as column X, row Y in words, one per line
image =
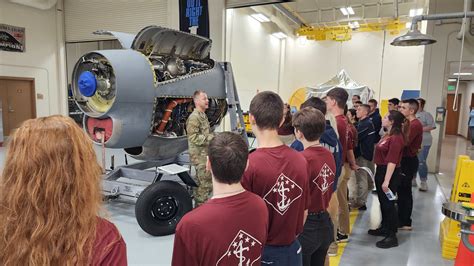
column 451, row 88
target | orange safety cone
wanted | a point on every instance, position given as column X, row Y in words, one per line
column 465, row 257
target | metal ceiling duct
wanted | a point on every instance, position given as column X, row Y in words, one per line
column 414, row 37
column 247, row 3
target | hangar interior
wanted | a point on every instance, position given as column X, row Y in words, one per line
column 281, row 47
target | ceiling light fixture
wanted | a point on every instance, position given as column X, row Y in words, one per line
column 260, row 17
column 344, row 11
column 452, row 80
column 462, row 74
column 279, row 35
column 347, row 11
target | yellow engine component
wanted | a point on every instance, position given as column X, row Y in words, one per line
column 462, row 191
column 344, row 32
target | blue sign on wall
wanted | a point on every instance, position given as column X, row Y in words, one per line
column 194, row 17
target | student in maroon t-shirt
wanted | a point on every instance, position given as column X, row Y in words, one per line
column 231, row 227
column 336, row 102
column 409, row 164
column 387, row 157
column 318, row 232
column 279, row 175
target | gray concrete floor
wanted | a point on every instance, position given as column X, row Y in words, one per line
column 418, row 247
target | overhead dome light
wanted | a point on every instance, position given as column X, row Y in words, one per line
column 413, row 38
column 279, row 35
column 260, row 17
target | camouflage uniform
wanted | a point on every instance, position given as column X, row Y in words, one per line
column 199, row 135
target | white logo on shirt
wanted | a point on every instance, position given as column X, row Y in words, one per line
column 321, row 180
column 243, row 250
column 282, row 194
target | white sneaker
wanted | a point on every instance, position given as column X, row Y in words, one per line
column 423, row 186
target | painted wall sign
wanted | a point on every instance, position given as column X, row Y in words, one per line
column 194, row 17
column 12, row 39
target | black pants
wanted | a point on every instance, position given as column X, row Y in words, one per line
column 409, row 168
column 389, row 211
column 318, row 234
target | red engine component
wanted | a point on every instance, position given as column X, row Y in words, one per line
column 169, row 109
column 97, row 126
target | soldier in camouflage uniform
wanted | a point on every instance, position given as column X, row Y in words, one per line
column 199, row 136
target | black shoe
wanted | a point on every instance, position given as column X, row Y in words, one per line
column 377, row 232
column 363, row 208
column 388, row 242
column 341, row 238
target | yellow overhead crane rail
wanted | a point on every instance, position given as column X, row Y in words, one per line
column 344, row 32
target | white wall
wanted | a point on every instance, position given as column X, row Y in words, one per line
column 40, row 61
column 255, row 56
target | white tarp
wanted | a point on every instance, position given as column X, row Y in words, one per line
column 342, row 80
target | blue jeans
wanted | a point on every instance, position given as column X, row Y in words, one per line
column 283, row 255
column 422, row 167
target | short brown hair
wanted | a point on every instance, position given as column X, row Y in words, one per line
column 422, row 102
column 311, row 122
column 374, row 102
column 340, row 95
column 412, row 104
column 228, row 155
column 366, row 107
column 197, row 93
column 267, row 108
column 316, row 103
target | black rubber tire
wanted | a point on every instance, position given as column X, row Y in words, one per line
column 161, row 206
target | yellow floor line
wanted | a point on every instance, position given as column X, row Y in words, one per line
column 334, row 261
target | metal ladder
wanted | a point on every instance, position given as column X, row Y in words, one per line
column 235, row 110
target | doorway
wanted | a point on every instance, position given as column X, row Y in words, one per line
column 452, row 117
column 17, row 99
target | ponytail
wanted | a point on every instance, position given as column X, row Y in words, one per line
column 400, row 125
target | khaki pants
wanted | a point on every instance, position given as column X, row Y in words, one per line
column 342, row 199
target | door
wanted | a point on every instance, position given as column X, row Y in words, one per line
column 452, row 117
column 472, row 106
column 18, row 103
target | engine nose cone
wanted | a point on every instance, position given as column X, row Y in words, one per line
column 87, row 83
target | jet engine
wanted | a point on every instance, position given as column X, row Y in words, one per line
column 140, row 97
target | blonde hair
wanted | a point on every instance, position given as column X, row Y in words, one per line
column 50, row 195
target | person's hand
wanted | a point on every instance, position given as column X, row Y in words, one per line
column 355, row 167
column 385, row 186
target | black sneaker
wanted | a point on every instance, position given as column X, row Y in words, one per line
column 363, row 208
column 388, row 242
column 342, row 238
column 377, row 232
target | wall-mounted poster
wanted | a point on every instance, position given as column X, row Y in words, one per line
column 194, row 17
column 12, row 38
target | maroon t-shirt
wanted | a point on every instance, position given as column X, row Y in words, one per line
column 109, row 247
column 280, row 176
column 343, row 132
column 222, row 231
column 389, row 150
column 322, row 169
column 352, row 137
column 414, row 139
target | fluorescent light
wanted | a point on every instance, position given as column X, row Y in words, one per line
column 279, row 35
column 347, row 11
column 452, row 80
column 350, row 10
column 354, row 25
column 260, row 17
column 408, row 25
column 416, row 12
column 344, row 11
column 462, row 74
